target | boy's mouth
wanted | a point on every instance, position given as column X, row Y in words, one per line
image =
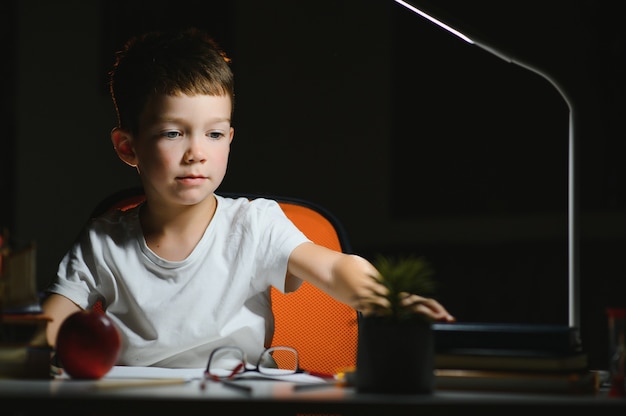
column 191, row 176
column 191, row 179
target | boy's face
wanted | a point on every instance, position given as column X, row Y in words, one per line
column 181, row 151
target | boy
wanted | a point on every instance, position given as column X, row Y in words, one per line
column 189, row 271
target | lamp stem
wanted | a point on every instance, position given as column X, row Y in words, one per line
column 572, row 199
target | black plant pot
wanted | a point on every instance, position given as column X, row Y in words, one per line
column 395, row 357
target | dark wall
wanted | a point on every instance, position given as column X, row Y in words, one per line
column 491, row 139
column 7, row 117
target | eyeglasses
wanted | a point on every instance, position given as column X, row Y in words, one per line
column 225, row 363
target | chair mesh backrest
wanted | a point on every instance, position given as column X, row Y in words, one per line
column 322, row 329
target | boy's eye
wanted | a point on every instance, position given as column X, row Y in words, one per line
column 216, row 134
column 171, row 134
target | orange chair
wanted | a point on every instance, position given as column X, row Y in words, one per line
column 322, row 329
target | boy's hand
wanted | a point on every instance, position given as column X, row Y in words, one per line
column 356, row 281
column 426, row 306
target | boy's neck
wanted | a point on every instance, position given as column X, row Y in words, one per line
column 173, row 232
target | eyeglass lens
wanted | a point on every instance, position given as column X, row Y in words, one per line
column 278, row 360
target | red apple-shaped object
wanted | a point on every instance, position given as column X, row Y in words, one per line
column 88, row 345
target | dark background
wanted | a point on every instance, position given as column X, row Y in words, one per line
column 418, row 141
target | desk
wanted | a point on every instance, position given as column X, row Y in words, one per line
column 71, row 397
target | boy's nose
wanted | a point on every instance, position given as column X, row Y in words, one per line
column 195, row 151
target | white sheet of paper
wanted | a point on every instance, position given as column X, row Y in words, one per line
column 133, row 372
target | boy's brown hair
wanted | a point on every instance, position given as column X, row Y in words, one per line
column 171, row 63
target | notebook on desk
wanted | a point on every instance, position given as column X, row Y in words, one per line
column 557, row 339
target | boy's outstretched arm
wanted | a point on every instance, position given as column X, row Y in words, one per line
column 353, row 280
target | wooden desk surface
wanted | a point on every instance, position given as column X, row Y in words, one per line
column 70, row 397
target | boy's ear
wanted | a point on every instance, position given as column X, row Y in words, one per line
column 123, row 145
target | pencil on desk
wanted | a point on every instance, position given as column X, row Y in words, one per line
column 115, row 384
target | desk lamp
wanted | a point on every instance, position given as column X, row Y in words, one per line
column 464, row 32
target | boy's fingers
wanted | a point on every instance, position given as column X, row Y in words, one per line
column 427, row 306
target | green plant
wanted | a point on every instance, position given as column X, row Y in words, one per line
column 405, row 274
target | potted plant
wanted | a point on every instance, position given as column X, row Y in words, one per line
column 396, row 346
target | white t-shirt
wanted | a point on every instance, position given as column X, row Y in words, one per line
column 174, row 313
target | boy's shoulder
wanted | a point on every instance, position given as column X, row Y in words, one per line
column 242, row 201
column 247, row 206
column 114, row 222
column 117, row 215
